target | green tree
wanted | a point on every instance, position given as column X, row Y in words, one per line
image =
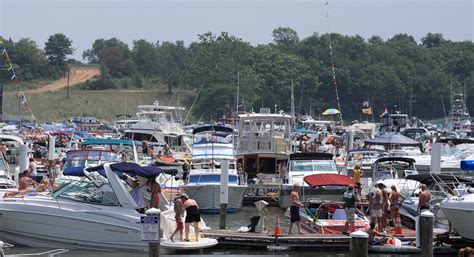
column 93, row 55
column 285, row 38
column 432, row 40
column 57, row 48
column 145, row 56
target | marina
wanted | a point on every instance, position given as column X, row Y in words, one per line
column 122, row 135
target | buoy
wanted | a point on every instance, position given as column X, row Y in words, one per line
column 278, row 231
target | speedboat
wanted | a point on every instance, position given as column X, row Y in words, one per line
column 440, row 186
column 7, row 184
column 213, row 148
column 302, row 165
column 393, row 171
column 460, row 208
column 95, row 213
column 328, row 218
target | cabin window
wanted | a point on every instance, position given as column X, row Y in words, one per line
column 197, row 179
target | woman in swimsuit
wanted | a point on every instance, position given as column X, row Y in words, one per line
column 192, row 216
column 395, row 203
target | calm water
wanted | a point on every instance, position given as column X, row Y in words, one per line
column 234, row 221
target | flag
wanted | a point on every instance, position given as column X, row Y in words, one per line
column 367, row 111
column 13, row 77
column 366, row 103
column 384, row 113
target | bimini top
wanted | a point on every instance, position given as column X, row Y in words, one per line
column 317, row 180
column 128, row 168
column 311, row 156
column 211, row 128
column 100, row 141
column 395, row 159
column 431, row 178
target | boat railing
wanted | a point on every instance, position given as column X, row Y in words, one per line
column 264, row 145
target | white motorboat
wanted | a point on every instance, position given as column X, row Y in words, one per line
column 305, row 164
column 96, row 213
column 459, row 209
column 212, row 148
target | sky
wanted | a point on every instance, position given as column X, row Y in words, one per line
column 84, row 21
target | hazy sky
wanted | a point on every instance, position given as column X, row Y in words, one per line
column 83, row 21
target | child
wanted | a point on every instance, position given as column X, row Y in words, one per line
column 178, row 210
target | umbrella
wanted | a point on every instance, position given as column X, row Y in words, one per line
column 331, row 111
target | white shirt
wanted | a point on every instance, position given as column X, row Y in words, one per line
column 32, row 169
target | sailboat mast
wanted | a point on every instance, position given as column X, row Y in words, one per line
column 292, row 114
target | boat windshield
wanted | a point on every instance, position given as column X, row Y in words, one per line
column 87, row 192
column 313, row 166
column 91, row 158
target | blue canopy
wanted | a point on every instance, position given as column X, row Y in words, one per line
column 99, row 141
column 129, row 168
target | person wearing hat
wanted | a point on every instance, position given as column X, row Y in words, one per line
column 192, row 216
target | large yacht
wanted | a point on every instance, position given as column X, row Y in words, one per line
column 459, row 118
column 212, row 148
column 264, row 143
column 159, row 124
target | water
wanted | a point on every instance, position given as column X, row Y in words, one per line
column 234, row 221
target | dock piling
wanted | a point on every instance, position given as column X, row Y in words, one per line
column 426, row 233
column 359, row 244
column 154, row 247
column 224, row 196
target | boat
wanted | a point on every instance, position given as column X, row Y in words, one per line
column 328, row 218
column 301, row 165
column 7, row 184
column 95, row 213
column 440, row 186
column 459, row 118
column 394, row 122
column 159, row 124
column 459, row 209
column 263, row 143
column 323, row 216
column 213, row 148
column 393, row 171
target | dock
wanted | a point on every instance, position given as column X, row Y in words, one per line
column 249, row 200
column 305, row 241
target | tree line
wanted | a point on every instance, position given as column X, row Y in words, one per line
column 398, row 73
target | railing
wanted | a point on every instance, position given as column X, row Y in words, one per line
column 264, row 146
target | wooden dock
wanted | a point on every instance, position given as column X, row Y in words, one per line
column 306, row 241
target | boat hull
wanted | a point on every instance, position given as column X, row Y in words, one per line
column 208, row 197
column 41, row 224
column 460, row 211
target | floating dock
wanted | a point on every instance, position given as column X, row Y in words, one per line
column 305, row 241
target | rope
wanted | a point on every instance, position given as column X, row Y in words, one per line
column 333, row 64
column 14, row 78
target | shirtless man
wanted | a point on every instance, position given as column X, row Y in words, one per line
column 25, row 181
column 178, row 210
column 295, row 208
column 3, row 149
column 192, row 216
column 372, row 233
column 424, row 199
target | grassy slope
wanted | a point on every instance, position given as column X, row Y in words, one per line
column 53, row 106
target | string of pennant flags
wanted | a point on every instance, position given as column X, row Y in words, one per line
column 13, row 78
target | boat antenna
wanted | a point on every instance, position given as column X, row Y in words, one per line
column 333, row 64
column 192, row 105
column 236, row 107
column 292, row 113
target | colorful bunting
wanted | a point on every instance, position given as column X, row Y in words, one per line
column 14, row 78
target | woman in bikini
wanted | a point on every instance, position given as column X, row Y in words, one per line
column 192, row 216
column 396, row 200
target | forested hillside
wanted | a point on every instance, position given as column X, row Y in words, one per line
column 389, row 72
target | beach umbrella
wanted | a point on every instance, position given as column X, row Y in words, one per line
column 331, row 111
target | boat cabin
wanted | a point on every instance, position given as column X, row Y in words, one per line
column 264, row 142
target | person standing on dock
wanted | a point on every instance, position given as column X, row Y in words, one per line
column 385, row 205
column 424, row 199
column 295, row 208
column 350, row 199
column 193, row 215
column 356, row 174
column 396, row 200
column 375, row 206
column 178, row 215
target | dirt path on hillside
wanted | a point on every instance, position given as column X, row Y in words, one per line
column 77, row 76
